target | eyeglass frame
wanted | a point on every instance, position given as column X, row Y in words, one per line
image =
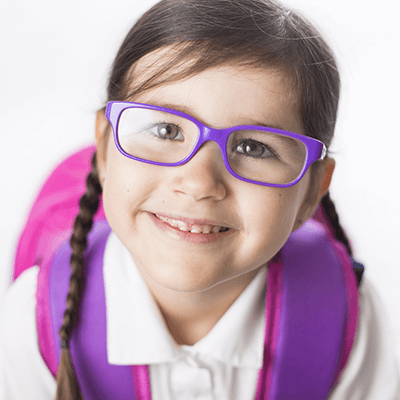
column 315, row 149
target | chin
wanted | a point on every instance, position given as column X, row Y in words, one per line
column 183, row 281
column 187, row 285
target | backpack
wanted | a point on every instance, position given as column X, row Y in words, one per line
column 311, row 318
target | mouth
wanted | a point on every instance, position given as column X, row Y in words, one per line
column 194, row 228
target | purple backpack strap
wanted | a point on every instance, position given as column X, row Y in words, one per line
column 88, row 345
column 311, row 317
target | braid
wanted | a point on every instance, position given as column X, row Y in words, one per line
column 330, row 211
column 67, row 385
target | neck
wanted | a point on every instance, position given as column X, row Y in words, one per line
column 190, row 316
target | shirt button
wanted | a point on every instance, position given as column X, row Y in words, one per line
column 188, row 380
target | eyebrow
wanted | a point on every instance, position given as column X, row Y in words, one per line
column 192, row 113
column 268, row 126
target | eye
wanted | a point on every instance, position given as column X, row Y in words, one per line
column 252, row 148
column 166, row 131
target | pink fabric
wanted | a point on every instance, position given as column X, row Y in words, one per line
column 43, row 319
column 273, row 309
column 141, row 378
column 54, row 211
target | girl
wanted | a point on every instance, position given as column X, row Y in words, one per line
column 210, row 159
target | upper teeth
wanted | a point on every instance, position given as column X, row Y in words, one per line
column 183, row 226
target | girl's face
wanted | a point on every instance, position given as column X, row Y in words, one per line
column 141, row 200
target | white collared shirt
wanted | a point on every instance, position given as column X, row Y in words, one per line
column 222, row 365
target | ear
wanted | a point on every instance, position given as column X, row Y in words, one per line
column 327, row 172
column 320, row 186
column 101, row 129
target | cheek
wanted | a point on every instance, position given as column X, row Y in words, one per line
column 127, row 185
column 271, row 208
column 269, row 219
column 269, row 215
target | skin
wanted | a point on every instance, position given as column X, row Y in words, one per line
column 194, row 284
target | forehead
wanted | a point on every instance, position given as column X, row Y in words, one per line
column 179, row 61
column 229, row 94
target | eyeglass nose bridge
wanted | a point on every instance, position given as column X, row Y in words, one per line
column 208, row 134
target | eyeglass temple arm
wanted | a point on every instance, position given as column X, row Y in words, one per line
column 323, row 152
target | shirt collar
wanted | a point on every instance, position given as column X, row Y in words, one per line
column 136, row 331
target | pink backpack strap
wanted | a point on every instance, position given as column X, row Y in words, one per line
column 272, row 314
column 311, row 317
column 141, row 377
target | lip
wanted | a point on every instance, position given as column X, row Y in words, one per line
column 191, row 221
column 196, row 238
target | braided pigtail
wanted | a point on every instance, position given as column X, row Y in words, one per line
column 330, row 212
column 67, row 384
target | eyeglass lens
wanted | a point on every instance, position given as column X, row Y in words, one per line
column 253, row 154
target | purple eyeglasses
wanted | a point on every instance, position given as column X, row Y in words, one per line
column 252, row 153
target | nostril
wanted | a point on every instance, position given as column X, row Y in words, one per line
column 199, row 185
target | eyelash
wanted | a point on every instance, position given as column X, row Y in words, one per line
column 157, row 123
column 268, row 148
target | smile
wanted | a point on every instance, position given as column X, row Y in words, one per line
column 192, row 228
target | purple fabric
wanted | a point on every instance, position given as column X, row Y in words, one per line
column 88, row 341
column 352, row 304
column 313, row 317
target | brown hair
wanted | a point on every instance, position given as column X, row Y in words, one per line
column 203, row 34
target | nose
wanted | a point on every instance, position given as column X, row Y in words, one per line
column 203, row 176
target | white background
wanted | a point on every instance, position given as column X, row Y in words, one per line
column 54, row 62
